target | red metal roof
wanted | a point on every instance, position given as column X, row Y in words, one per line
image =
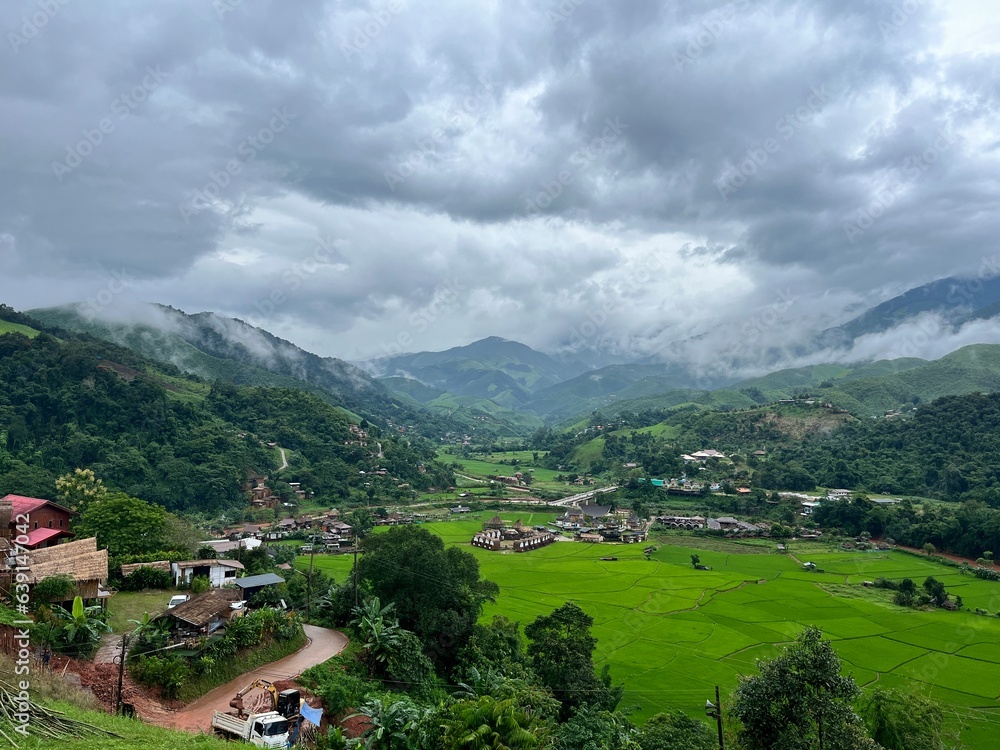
column 24, row 504
column 40, row 536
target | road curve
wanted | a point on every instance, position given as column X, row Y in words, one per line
column 323, row 643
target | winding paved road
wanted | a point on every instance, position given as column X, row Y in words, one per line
column 323, row 644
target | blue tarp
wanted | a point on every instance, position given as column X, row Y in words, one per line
column 312, row 715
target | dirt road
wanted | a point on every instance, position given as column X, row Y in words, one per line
column 323, row 644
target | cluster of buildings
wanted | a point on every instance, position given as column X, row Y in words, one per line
column 590, row 522
column 498, row 535
column 35, row 535
column 727, row 524
column 261, row 496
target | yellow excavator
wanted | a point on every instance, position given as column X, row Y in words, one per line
column 264, row 685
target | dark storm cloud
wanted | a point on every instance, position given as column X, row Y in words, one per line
column 525, row 154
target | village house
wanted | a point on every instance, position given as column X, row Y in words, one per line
column 204, row 614
column 225, row 546
column 218, row 572
column 702, row 455
column 251, row 585
column 81, row 560
column 46, row 522
column 681, row 522
column 839, row 494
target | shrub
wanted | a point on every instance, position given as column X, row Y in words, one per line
column 52, row 589
column 200, row 584
column 165, row 672
column 147, row 578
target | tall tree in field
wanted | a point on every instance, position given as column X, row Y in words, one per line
column 561, row 648
column 800, row 701
column 125, row 525
column 437, row 592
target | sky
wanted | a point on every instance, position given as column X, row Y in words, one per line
column 367, row 178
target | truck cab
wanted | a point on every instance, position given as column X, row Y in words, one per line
column 269, row 730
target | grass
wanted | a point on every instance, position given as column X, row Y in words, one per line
column 132, row 605
column 134, row 735
column 671, row 633
column 7, row 327
column 52, row 690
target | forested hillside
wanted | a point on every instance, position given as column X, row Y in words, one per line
column 217, row 348
column 156, row 434
column 948, row 450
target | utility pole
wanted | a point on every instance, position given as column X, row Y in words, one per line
column 121, row 673
column 355, row 568
column 715, row 711
column 309, row 579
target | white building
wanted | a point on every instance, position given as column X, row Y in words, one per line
column 219, row 572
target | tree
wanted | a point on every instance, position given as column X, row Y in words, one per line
column 929, row 549
column 390, row 724
column 437, row 592
column 561, row 648
column 379, row 630
column 361, row 522
column 78, row 630
column 125, row 525
column 905, row 721
column 676, row 731
column 799, row 700
column 79, row 489
column 592, row 729
column 935, row 590
column 695, row 561
column 486, row 723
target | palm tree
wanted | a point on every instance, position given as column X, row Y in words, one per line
column 489, row 724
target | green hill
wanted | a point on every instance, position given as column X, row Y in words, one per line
column 217, row 348
column 506, row 372
column 148, row 430
column 477, row 416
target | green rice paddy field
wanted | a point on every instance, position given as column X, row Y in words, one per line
column 671, row 633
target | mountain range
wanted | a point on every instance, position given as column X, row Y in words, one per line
column 495, row 386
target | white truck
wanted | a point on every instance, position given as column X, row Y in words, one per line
column 268, row 729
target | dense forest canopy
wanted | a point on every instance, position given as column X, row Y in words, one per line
column 153, row 433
